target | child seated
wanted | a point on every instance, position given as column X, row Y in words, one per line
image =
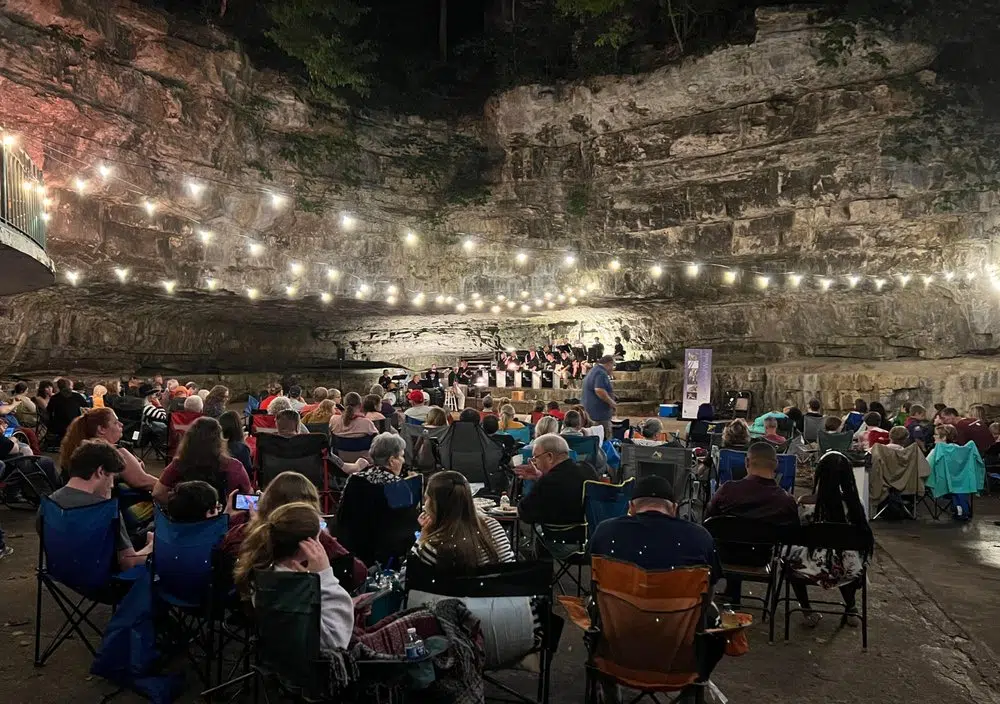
column 190, row 502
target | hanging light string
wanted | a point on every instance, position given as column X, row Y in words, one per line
column 469, row 242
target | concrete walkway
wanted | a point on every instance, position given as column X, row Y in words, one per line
column 933, row 638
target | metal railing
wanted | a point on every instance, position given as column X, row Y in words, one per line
column 22, row 194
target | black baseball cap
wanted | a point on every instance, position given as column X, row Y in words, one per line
column 654, row 486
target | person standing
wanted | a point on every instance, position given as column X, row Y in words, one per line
column 598, row 394
column 459, row 380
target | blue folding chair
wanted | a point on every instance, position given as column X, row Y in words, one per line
column 351, row 449
column 412, row 421
column 785, row 474
column 405, row 494
column 522, row 435
column 253, row 404
column 730, row 465
column 585, row 447
column 602, row 501
column 78, row 557
column 183, row 567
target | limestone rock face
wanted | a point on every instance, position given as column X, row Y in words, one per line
column 754, row 157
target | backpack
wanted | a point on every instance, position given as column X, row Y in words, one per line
column 426, row 457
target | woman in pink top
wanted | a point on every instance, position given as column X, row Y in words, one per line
column 352, row 423
column 202, row 455
column 370, row 405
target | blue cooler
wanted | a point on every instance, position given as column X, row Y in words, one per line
column 669, row 410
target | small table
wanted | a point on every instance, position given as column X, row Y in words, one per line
column 512, row 524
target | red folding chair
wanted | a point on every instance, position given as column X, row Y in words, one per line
column 178, row 423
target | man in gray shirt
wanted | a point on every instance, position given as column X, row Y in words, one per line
column 93, row 470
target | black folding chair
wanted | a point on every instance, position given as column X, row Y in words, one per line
column 515, row 579
column 23, row 478
column 825, row 536
column 566, row 544
column 299, row 453
column 748, row 551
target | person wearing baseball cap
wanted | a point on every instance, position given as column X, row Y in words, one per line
column 651, row 536
column 418, row 409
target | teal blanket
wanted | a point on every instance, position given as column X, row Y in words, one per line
column 955, row 469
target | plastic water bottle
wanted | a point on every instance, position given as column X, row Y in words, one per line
column 414, row 646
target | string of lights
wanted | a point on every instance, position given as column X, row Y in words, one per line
column 103, row 173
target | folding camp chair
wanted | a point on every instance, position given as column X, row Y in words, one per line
column 465, row 448
column 263, row 424
column 23, row 478
column 812, row 426
column 518, row 579
column 585, row 447
column 566, row 544
column 729, row 465
column 784, row 475
column 748, row 550
column 602, row 501
column 826, row 536
column 152, row 441
column 253, row 404
column 183, row 574
column 351, row 449
column 319, row 428
column 77, row 557
column 305, row 454
column 647, row 629
column 853, row 422
column 521, row 435
column 131, row 420
column 178, row 423
column 619, row 428
column 837, row 442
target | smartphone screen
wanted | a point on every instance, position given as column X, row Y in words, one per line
column 245, row 501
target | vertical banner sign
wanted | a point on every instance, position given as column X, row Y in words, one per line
column 697, row 387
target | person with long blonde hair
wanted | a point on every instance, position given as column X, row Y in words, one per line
column 288, row 541
column 507, row 419
column 203, row 455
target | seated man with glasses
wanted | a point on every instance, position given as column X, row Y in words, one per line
column 557, row 495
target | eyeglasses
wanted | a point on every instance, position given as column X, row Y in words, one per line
column 536, row 457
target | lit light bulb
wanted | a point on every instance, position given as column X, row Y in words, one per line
column 572, row 300
column 460, row 307
column 729, row 277
column 359, row 295
column 277, row 200
column 468, row 244
column 794, row 280
column 332, row 274
column 592, row 286
column 763, row 281
column 656, row 271
column 9, row 140
column 904, row 279
column 524, row 294
column 476, row 294
column 122, row 274
column 212, row 284
column 104, row 170
column 290, row 291
column 365, row 288
column 391, row 300
column 521, row 257
column 570, row 260
column 28, row 186
column 46, row 217
column 478, row 303
column 569, row 290
column 411, row 239
column 195, row 188
column 852, row 280
column 46, row 202
column 494, row 309
column 928, row 280
column 256, row 249
column 949, row 275
column 205, row 235
column 614, row 265
column 326, row 297
column 550, row 304
column 439, row 299
column 693, row 270
column 392, row 290
column 538, row 302
column 40, row 188
column 296, row 268
column 73, row 277
column 347, row 222
column 150, row 207
column 501, row 297
column 561, row 298
column 511, row 304
column 169, row 286
column 879, row 283
column 824, row 284
column 547, row 295
column 525, row 308
column 80, row 184
column 969, row 276
column 449, row 300
column 252, row 294
column 995, row 283
column 418, row 300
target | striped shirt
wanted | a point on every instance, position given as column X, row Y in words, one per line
column 428, row 552
column 152, row 414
